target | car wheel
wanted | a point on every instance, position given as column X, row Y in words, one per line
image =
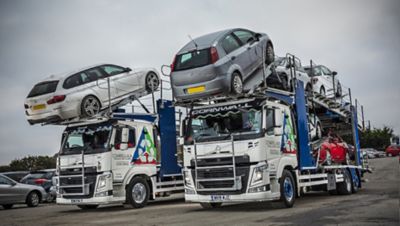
column 288, row 189
column 318, row 133
column 90, row 106
column 33, row 199
column 138, row 192
column 236, row 84
column 345, row 187
column 211, row 205
column 322, row 91
column 339, row 90
column 8, row 206
column 152, row 82
column 269, row 54
column 285, row 84
column 88, row 207
column 308, row 89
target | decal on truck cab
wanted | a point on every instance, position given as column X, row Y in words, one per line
column 145, row 152
column 288, row 142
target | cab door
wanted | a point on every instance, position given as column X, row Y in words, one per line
column 123, row 147
column 273, row 132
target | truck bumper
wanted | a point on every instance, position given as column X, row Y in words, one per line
column 89, row 201
column 241, row 198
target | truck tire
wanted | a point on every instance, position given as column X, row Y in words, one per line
column 345, row 187
column 7, row 206
column 138, row 192
column 88, row 207
column 33, row 199
column 288, row 189
column 211, row 205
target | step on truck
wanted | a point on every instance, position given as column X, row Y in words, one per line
column 258, row 148
column 126, row 158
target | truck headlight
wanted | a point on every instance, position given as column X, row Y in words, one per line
column 258, row 174
column 188, row 181
column 102, row 183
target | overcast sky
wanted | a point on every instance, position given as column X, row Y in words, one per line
column 358, row 39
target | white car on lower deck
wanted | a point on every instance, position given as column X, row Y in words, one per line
column 324, row 81
column 84, row 93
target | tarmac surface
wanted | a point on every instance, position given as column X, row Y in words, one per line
column 377, row 203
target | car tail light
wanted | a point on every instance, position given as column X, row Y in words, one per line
column 40, row 181
column 26, row 106
column 56, row 99
column 314, row 80
column 214, row 55
column 173, row 64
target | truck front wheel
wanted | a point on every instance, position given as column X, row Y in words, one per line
column 138, row 192
column 288, row 189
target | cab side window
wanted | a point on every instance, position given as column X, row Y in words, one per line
column 326, row 70
column 131, row 138
column 229, row 44
column 270, row 121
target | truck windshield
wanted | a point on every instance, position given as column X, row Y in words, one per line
column 90, row 139
column 242, row 124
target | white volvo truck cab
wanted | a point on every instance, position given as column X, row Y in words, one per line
column 259, row 149
column 129, row 158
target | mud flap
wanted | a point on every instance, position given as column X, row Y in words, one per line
column 331, row 182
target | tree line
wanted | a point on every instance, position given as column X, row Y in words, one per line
column 30, row 163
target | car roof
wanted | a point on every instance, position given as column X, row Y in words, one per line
column 205, row 41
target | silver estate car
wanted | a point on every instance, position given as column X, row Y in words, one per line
column 84, row 93
column 12, row 192
column 218, row 63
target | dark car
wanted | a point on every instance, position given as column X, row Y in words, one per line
column 16, row 175
column 219, row 63
column 43, row 178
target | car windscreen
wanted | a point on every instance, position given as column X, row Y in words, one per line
column 193, row 59
column 43, row 88
column 240, row 123
column 89, row 139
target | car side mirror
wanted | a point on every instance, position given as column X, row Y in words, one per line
column 128, row 69
column 251, row 40
column 334, row 73
column 258, row 36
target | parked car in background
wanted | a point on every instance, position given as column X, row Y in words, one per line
column 322, row 80
column 219, row 63
column 392, row 150
column 16, row 175
column 12, row 192
column 43, row 178
column 282, row 69
column 84, row 93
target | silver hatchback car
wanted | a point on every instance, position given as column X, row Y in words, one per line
column 218, row 63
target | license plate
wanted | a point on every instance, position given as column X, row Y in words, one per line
column 219, row 197
column 76, row 200
column 39, row 107
column 197, row 89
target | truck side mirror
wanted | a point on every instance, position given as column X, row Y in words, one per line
column 278, row 118
column 125, row 135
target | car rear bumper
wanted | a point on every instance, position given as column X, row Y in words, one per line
column 54, row 115
column 219, row 85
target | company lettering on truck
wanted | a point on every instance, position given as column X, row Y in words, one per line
column 225, row 108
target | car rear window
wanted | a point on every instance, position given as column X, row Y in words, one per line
column 43, row 88
column 193, row 59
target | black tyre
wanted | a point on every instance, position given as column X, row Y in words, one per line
column 322, row 91
column 90, row 106
column 152, row 82
column 269, row 54
column 345, row 187
column 308, row 89
column 138, row 192
column 8, row 206
column 285, row 84
column 211, row 205
column 288, row 189
column 236, row 84
column 33, row 199
column 318, row 133
column 88, row 207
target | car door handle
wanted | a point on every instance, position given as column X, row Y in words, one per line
column 233, row 57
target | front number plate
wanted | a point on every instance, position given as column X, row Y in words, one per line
column 197, row 89
column 76, row 200
column 220, row 197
